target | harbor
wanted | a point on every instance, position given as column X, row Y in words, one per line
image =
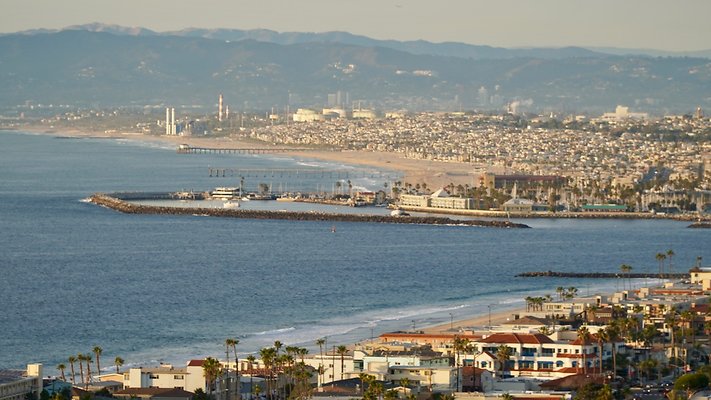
column 116, row 202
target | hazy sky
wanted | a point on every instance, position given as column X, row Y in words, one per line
column 654, row 24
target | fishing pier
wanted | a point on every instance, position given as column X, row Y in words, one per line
column 187, row 149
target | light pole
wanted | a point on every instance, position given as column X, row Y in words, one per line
column 489, row 307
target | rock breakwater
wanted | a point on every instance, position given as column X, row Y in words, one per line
column 115, row 203
column 598, row 275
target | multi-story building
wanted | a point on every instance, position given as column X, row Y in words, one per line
column 17, row 384
column 438, row 199
column 534, row 355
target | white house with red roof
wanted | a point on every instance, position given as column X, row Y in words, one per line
column 534, row 355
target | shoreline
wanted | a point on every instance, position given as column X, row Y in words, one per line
column 433, row 173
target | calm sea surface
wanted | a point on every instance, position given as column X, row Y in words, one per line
column 168, row 288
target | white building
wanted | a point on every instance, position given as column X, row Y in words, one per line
column 623, row 113
column 16, row 384
column 307, row 115
column 438, row 199
column 189, row 378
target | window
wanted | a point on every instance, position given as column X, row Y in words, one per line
column 178, row 377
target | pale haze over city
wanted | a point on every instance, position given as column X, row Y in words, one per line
column 655, row 24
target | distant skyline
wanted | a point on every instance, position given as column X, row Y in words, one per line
column 641, row 24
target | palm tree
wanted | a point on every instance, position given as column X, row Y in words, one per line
column 405, row 383
column 61, row 368
column 670, row 254
column 626, row 270
column 250, row 360
column 89, row 360
column 268, row 355
column 211, row 369
column 72, row 360
column 364, row 378
column 560, row 290
column 545, row 330
column 302, row 352
column 228, row 345
column 460, row 345
column 342, row 351
column 235, row 342
column 320, row 342
column 661, row 257
column 503, row 355
column 584, row 336
column 97, row 352
column 118, row 362
column 80, row 358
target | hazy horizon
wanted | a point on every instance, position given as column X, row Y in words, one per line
column 633, row 24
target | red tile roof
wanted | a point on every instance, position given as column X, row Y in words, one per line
column 196, row 363
column 519, row 338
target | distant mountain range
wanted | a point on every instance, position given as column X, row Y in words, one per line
column 106, row 65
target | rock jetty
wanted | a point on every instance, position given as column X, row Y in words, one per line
column 598, row 275
column 115, row 203
column 700, row 225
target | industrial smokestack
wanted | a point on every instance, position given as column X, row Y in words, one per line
column 219, row 108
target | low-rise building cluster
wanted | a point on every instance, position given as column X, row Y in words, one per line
column 557, row 345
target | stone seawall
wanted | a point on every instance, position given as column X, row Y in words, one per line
column 545, row 214
column 117, row 204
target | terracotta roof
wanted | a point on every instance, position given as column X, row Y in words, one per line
column 522, row 338
column 568, row 370
column 427, row 335
column 571, row 382
column 196, row 363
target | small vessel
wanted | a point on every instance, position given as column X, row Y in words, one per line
column 230, row 204
column 398, row 213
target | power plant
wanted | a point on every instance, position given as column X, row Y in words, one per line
column 170, row 121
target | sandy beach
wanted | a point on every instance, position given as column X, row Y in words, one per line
column 435, row 174
column 497, row 318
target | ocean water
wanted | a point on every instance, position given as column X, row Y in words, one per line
column 170, row 288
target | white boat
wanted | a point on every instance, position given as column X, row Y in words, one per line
column 230, row 204
column 398, row 213
column 226, row 193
